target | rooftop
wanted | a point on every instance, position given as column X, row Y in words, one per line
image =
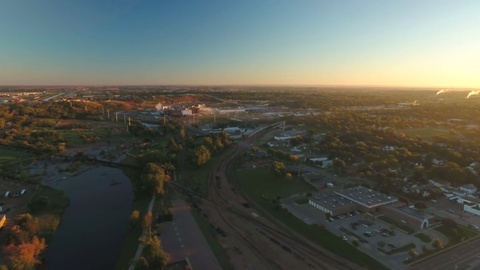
column 331, row 201
column 413, row 213
column 366, row 197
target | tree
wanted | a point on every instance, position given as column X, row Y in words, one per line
column 147, row 221
column 413, row 253
column 153, row 253
column 279, row 168
column 338, row 165
column 355, row 242
column 154, row 178
column 134, row 218
column 438, row 244
column 449, row 222
column 24, row 256
column 420, row 205
column 200, row 155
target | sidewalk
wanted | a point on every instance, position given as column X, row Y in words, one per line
column 140, row 246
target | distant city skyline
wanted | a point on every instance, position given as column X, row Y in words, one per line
column 305, row 43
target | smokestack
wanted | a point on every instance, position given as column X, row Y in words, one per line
column 443, row 91
column 473, row 93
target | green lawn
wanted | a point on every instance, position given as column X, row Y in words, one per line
column 262, row 183
column 455, row 235
column 261, row 186
column 7, row 155
column 407, row 247
column 425, row 238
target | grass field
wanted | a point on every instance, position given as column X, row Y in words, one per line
column 261, row 186
column 462, row 232
column 7, row 155
column 425, row 238
column 55, row 201
column 424, row 133
column 261, row 183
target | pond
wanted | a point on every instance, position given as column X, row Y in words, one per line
column 94, row 225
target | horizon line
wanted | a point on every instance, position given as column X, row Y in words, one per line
column 242, row 85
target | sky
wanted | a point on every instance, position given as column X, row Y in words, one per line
column 426, row 43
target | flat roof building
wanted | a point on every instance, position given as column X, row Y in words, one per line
column 368, row 198
column 332, row 203
column 350, row 199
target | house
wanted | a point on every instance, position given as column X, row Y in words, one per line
column 471, row 207
column 469, row 189
column 323, row 162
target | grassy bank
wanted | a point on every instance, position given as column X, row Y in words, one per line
column 47, row 200
column 140, row 203
column 9, row 154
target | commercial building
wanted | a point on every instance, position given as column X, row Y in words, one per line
column 356, row 198
column 332, row 203
column 408, row 216
column 367, row 199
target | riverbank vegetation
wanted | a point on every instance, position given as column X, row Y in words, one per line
column 28, row 235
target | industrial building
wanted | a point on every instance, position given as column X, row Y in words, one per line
column 356, row 198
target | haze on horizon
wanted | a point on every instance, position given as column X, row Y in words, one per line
column 135, row 42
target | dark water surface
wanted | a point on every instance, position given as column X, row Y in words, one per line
column 93, row 227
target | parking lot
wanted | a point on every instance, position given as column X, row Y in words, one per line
column 372, row 233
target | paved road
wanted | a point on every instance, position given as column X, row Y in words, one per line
column 455, row 259
column 182, row 238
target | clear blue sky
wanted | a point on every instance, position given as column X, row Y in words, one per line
column 408, row 42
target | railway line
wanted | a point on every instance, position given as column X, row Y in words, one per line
column 272, row 245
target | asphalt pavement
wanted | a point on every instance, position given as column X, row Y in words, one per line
column 182, row 238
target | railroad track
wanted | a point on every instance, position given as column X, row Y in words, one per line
column 307, row 253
